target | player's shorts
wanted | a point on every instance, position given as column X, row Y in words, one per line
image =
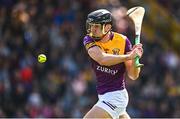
column 114, row 103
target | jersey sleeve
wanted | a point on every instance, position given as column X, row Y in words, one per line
column 88, row 42
column 128, row 46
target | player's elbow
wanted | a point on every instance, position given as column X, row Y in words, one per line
column 133, row 73
column 134, row 77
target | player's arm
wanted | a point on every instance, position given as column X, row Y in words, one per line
column 108, row 59
column 132, row 70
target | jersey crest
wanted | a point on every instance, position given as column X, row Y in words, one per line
column 115, row 51
column 115, row 46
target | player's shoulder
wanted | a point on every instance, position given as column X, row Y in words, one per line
column 87, row 39
column 88, row 42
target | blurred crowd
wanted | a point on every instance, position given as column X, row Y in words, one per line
column 65, row 86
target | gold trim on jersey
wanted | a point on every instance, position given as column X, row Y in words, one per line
column 89, row 45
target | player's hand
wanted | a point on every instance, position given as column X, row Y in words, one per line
column 137, row 46
column 133, row 54
column 137, row 50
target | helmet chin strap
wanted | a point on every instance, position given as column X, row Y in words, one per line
column 104, row 34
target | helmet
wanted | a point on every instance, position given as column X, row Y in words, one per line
column 101, row 17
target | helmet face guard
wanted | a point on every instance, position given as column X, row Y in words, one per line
column 98, row 18
column 90, row 33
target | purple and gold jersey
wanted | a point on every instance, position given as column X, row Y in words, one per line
column 109, row 78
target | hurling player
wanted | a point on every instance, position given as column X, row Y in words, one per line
column 112, row 56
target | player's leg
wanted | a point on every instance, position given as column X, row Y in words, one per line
column 124, row 116
column 97, row 112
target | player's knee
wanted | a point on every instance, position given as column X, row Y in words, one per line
column 88, row 115
column 97, row 112
column 124, row 116
column 85, row 117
